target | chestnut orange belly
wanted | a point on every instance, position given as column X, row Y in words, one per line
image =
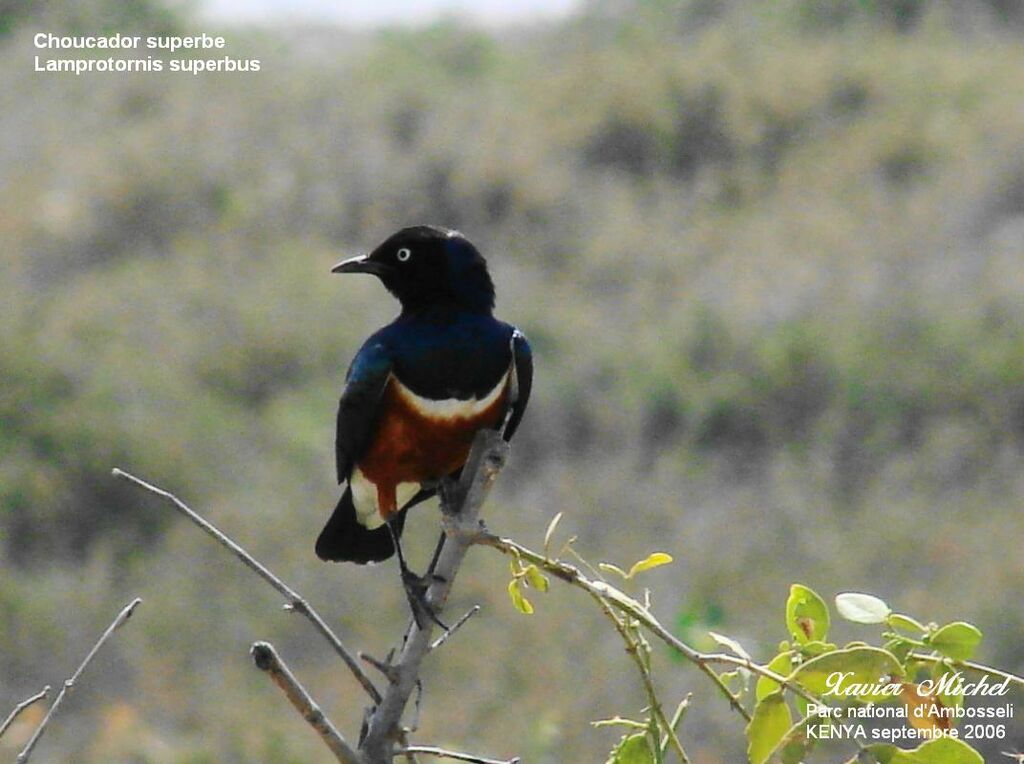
column 417, row 440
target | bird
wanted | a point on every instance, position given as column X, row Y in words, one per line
column 418, row 391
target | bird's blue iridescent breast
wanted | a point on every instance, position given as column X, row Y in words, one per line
column 448, row 354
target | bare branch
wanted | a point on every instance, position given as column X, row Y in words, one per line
column 69, row 684
column 296, row 603
column 21, row 707
column 970, row 666
column 677, row 717
column 267, row 659
column 383, row 667
column 442, row 753
column 461, row 509
column 455, row 627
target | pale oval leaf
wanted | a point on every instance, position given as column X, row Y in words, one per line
column 862, row 608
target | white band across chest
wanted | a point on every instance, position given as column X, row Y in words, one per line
column 451, row 408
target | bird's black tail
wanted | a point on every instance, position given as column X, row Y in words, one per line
column 345, row 539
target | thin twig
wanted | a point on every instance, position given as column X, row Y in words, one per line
column 619, row 601
column 417, row 707
column 633, row 647
column 296, row 603
column 267, row 659
column 461, row 509
column 21, row 707
column 602, row 591
column 443, row 753
column 970, row 665
column 69, row 684
column 677, row 717
column 381, row 666
column 455, row 627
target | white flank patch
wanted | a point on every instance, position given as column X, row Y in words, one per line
column 451, row 408
column 364, row 497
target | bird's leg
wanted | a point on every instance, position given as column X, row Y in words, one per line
column 436, row 557
column 448, row 491
column 415, row 588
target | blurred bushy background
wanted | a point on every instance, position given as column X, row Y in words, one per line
column 771, row 260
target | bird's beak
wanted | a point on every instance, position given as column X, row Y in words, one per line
column 358, row 264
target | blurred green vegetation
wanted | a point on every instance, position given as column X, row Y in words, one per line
column 770, row 259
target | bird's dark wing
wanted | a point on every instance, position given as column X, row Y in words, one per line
column 357, row 411
column 523, row 362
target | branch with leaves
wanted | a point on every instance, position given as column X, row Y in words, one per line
column 800, row 674
column 793, row 679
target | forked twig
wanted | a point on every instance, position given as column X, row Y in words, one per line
column 21, row 707
column 296, row 603
column 69, row 684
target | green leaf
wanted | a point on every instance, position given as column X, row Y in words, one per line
column 655, row 560
column 862, row 608
column 781, row 664
column 728, row 677
column 906, row 624
column 956, row 640
column 899, row 647
column 633, row 749
column 518, row 600
column 794, row 746
column 812, row 649
column 801, row 704
column 860, row 665
column 938, row 671
column 941, row 750
column 795, row 751
column 769, row 724
column 806, row 614
column 537, row 579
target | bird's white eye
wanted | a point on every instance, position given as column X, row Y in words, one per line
column 403, row 254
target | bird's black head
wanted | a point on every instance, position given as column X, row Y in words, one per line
column 424, row 266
